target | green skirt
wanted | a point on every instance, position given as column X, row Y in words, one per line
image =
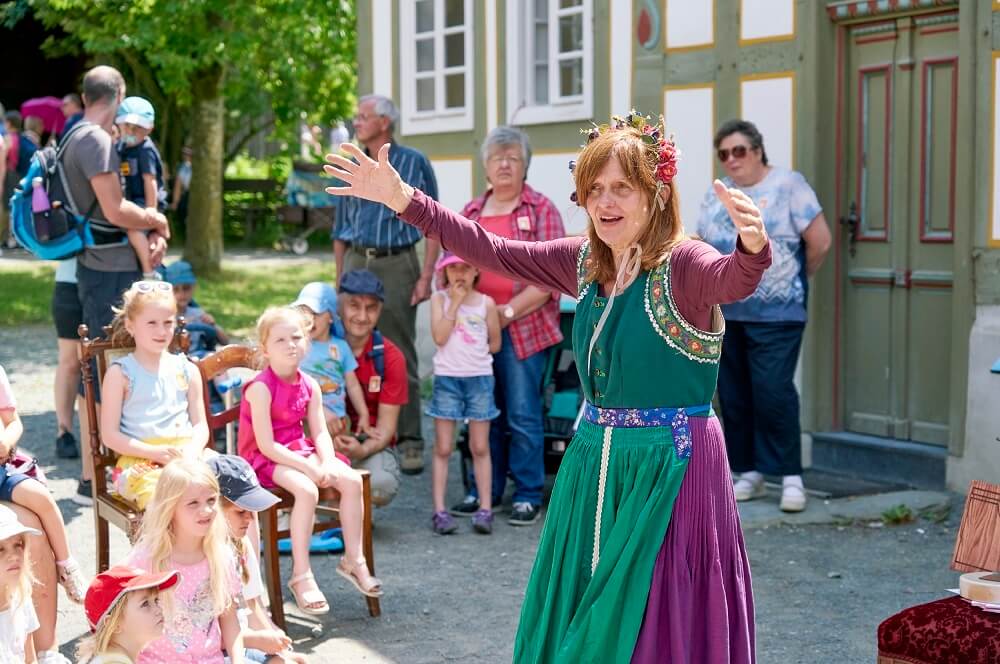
column 571, row 613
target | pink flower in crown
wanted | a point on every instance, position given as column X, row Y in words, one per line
column 666, row 169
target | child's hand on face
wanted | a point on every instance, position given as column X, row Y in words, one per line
column 457, row 293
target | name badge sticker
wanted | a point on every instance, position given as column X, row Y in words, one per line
column 375, row 384
column 524, row 223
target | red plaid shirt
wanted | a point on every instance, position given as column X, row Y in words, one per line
column 539, row 329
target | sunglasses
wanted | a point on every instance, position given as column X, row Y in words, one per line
column 738, row 152
column 146, row 286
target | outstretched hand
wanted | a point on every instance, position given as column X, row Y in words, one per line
column 367, row 178
column 745, row 215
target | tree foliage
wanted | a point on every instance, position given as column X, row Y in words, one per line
column 273, row 62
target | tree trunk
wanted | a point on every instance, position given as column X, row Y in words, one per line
column 204, row 225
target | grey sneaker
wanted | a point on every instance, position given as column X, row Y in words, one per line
column 443, row 524
column 524, row 514
column 482, row 521
column 84, row 495
column 66, row 446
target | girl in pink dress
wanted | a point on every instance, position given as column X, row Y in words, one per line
column 271, row 438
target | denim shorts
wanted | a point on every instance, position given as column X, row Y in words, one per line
column 463, row 398
column 7, row 483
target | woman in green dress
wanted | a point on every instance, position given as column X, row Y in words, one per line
column 641, row 556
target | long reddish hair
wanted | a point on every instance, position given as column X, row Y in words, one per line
column 638, row 160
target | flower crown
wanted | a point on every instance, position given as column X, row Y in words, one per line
column 652, row 134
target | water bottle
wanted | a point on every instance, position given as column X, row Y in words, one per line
column 40, row 208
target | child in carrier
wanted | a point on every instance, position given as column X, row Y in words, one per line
column 466, row 329
column 141, row 170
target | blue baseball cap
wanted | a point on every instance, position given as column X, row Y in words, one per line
column 137, row 111
column 179, row 273
column 362, row 282
column 319, row 296
column 238, row 483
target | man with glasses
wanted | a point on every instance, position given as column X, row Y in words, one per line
column 369, row 236
column 760, row 404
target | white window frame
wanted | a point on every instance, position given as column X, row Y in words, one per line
column 520, row 67
column 441, row 119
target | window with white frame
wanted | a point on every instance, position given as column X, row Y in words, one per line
column 436, row 65
column 549, row 61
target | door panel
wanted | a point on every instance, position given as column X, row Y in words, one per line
column 900, row 165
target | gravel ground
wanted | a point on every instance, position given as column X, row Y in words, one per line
column 820, row 590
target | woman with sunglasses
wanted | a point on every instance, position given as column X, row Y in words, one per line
column 760, row 405
column 641, row 556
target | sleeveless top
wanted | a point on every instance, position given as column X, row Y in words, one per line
column 157, row 404
column 648, row 355
column 467, row 351
column 289, row 404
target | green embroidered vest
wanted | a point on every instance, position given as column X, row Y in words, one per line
column 647, row 356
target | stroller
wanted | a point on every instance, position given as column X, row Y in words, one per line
column 562, row 400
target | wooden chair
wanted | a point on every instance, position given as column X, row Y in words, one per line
column 327, row 512
column 109, row 507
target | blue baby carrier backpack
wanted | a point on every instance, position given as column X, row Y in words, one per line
column 69, row 232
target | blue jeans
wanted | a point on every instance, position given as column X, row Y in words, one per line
column 517, row 442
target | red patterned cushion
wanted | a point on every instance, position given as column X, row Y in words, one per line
column 948, row 631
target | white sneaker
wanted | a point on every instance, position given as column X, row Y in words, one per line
column 749, row 486
column 793, row 498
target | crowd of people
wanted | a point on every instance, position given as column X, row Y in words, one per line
column 338, row 388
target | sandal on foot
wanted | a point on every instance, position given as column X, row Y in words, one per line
column 72, row 580
column 348, row 571
column 309, row 597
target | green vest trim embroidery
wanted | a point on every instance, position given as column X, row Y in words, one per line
column 581, row 271
column 682, row 336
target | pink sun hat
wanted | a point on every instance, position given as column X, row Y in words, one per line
column 447, row 258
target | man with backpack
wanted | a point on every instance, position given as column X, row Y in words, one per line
column 90, row 164
column 382, row 374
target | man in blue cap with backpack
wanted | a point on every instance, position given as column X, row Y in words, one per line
column 382, row 373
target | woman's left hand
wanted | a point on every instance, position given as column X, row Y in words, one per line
column 745, row 216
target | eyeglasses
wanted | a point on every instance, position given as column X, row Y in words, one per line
column 738, row 152
column 365, row 118
column 148, row 286
column 511, row 159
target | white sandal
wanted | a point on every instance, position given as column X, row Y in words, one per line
column 308, row 597
column 71, row 579
column 347, row 571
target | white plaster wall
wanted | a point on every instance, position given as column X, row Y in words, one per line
column 981, row 458
column 769, row 104
column 381, row 44
column 689, row 23
column 995, row 221
column 760, row 19
column 621, row 57
column 689, row 114
column 549, row 174
column 454, row 179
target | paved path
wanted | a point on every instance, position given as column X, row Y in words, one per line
column 820, row 589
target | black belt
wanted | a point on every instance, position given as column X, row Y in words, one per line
column 375, row 252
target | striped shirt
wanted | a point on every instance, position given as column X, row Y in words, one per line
column 373, row 225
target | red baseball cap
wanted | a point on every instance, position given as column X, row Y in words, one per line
column 110, row 586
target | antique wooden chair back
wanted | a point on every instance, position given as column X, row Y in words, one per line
column 96, row 356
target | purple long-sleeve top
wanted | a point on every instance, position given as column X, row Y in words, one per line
column 701, row 277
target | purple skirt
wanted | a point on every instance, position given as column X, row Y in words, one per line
column 700, row 605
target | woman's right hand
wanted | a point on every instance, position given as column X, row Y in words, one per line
column 369, row 179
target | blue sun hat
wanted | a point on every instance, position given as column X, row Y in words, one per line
column 137, row 111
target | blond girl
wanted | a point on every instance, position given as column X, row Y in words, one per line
column 17, row 614
column 275, row 405
column 242, row 498
column 183, row 531
column 124, row 613
column 152, row 410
